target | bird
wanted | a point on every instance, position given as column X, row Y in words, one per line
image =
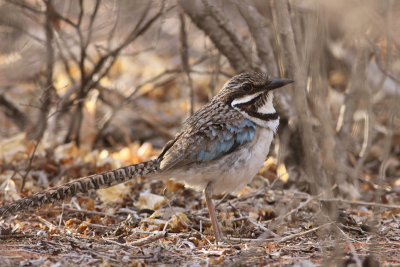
column 219, row 149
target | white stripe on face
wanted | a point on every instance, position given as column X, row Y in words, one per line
column 245, row 99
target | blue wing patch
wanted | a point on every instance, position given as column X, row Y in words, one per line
column 230, row 139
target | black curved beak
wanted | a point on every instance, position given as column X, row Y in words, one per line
column 277, row 83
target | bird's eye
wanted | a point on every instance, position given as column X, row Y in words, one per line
column 246, row 86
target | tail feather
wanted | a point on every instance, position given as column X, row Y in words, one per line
column 82, row 185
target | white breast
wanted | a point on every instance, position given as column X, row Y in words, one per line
column 230, row 172
column 246, row 163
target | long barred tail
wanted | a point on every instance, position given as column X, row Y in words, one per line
column 82, row 185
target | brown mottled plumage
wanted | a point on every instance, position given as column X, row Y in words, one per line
column 219, row 149
column 82, row 185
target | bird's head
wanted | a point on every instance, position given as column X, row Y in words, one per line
column 251, row 94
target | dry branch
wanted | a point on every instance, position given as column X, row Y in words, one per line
column 185, row 60
column 312, row 161
column 49, row 90
column 289, row 237
column 260, row 29
column 14, row 113
column 218, row 33
column 148, row 239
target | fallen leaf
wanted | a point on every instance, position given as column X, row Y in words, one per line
column 114, row 194
column 150, row 201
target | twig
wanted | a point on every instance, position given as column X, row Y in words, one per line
column 135, row 94
column 104, row 64
column 265, row 229
column 289, row 237
column 91, row 21
column 185, row 60
column 28, row 168
column 23, row 5
column 91, row 212
column 98, row 226
column 239, row 239
column 148, row 239
column 386, row 72
column 367, row 141
column 166, row 224
column 16, row 236
column 361, row 203
column 214, row 76
column 66, row 64
column 302, row 205
column 103, row 256
column 305, row 203
column 47, row 223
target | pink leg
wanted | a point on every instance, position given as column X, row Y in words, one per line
column 211, row 210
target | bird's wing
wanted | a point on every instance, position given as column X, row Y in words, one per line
column 206, row 139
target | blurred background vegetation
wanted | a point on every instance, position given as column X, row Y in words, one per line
column 81, row 76
column 108, row 73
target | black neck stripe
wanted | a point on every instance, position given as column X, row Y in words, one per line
column 263, row 116
column 255, row 114
column 250, row 108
